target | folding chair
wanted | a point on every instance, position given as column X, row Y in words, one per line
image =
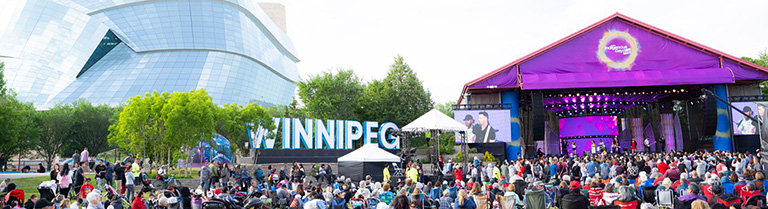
column 756, row 200
column 398, row 170
column 665, row 199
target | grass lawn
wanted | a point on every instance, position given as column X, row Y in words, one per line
column 29, row 185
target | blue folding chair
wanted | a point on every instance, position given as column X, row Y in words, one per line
column 728, row 187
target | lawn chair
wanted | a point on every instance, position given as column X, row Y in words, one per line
column 665, row 199
column 756, row 200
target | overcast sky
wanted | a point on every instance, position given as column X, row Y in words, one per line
column 448, row 43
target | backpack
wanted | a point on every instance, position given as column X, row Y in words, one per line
column 372, row 202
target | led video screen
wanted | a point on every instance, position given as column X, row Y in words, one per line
column 743, row 125
column 484, row 126
column 588, row 126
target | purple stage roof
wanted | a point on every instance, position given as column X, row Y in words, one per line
column 620, row 52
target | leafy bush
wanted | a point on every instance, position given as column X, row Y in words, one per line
column 459, row 157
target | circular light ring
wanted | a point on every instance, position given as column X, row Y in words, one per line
column 633, row 45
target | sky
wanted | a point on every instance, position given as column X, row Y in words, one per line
column 449, row 43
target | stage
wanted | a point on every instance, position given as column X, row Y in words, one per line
column 617, row 81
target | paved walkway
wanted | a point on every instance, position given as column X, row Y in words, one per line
column 21, row 175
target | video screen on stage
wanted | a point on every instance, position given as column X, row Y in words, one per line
column 484, row 126
column 743, row 125
column 588, row 126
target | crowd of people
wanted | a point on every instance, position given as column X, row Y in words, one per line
column 627, row 180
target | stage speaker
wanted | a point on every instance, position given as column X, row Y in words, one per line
column 537, row 108
column 710, row 115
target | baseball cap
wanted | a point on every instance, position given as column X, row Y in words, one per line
column 467, row 117
column 41, row 203
column 199, row 192
column 336, row 192
column 575, row 185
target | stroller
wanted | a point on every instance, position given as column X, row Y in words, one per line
column 47, row 190
column 146, row 182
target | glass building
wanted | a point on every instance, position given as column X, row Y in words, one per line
column 106, row 51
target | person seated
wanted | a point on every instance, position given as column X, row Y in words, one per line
column 40, row 168
column 161, row 173
column 575, row 199
column 684, row 202
column 724, row 198
column 626, row 200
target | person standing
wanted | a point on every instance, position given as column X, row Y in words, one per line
column 129, row 183
column 56, row 159
column 205, row 178
column 634, row 146
column 101, row 174
column 108, row 175
column 647, row 145
column 78, row 176
column 84, row 155
column 65, row 180
column 120, row 175
column 386, row 173
column 75, row 158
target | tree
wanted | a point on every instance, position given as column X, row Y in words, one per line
column 17, row 126
column 140, row 126
column 56, row 126
column 189, row 118
column 399, row 98
column 90, row 127
column 446, row 108
column 762, row 60
column 330, row 95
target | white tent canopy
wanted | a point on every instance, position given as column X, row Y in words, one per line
column 369, row 153
column 434, row 120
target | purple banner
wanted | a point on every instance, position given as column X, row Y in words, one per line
column 618, row 54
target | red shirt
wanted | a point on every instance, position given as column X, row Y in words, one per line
column 595, row 195
column 85, row 189
column 138, row 203
column 458, row 175
column 662, row 167
column 626, row 205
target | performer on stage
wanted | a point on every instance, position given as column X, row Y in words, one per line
column 647, row 145
column 593, row 148
column 573, row 146
column 615, row 145
column 602, row 146
column 634, row 146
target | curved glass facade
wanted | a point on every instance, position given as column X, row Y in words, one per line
column 229, row 47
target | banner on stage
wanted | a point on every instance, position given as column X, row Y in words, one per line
column 743, row 125
column 313, row 133
column 484, row 126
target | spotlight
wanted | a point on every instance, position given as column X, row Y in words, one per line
column 645, row 108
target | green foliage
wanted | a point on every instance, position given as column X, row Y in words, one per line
column 488, row 157
column 140, row 127
column 18, row 129
column 446, row 108
column 3, row 89
column 56, row 127
column 447, row 142
column 472, row 150
column 188, row 118
column 762, row 60
column 332, row 95
column 399, row 98
column 235, row 121
column 90, row 127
